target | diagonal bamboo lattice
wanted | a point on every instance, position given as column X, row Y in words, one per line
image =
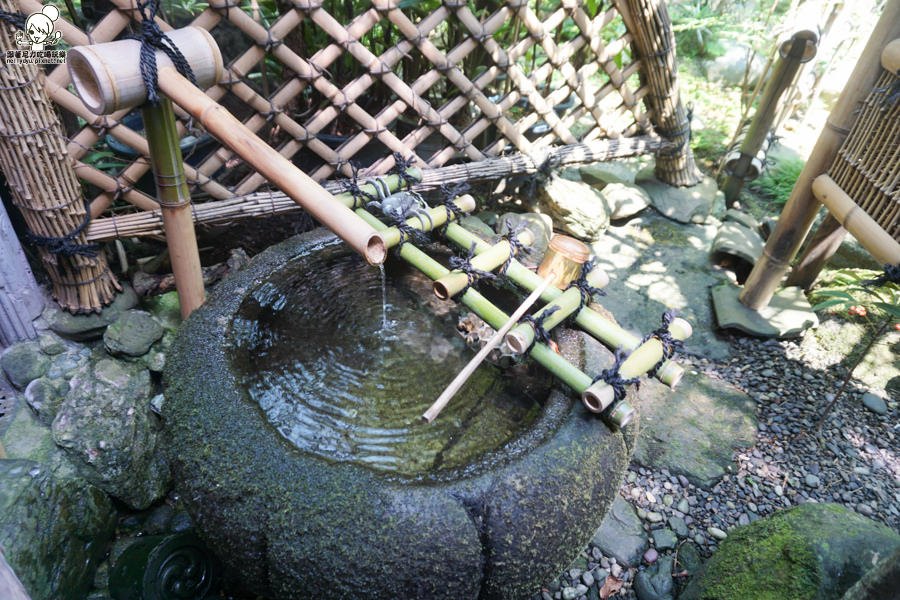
column 456, row 82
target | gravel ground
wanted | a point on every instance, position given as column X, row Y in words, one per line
column 858, row 466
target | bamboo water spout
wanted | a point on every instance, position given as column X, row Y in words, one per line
column 600, row 395
column 492, row 258
column 520, row 338
column 107, row 77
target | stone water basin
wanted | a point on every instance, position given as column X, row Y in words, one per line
column 295, row 437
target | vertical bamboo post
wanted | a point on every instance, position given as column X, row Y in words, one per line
column 43, row 184
column 175, row 203
column 652, row 37
column 20, row 297
column 10, row 586
column 801, row 209
column 822, row 246
column 791, row 55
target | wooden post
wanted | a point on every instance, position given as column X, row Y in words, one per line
column 43, row 184
column 822, row 246
column 791, row 55
column 20, row 297
column 652, row 37
column 801, row 209
column 175, row 203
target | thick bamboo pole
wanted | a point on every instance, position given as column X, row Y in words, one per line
column 520, row 338
column 175, row 203
column 437, row 216
column 884, row 248
column 800, row 211
column 789, row 60
column 589, row 320
column 456, row 281
column 600, row 395
column 822, row 246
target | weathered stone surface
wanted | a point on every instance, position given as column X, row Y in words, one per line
column 745, row 219
column 874, row 403
column 621, row 534
column 51, row 344
column 602, row 173
column 164, row 308
column 729, row 68
column 656, row 582
column 106, row 426
column 478, row 227
column 737, row 240
column 23, row 363
column 44, row 395
column 787, row 315
column 27, row 438
column 132, row 333
column 541, row 226
column 693, row 429
column 809, row 552
column 287, row 525
column 683, row 204
column 89, row 326
column 55, row 530
column 575, row 207
column 625, row 200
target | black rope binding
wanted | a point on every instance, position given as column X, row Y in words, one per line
column 351, row 186
column 17, row 20
column 587, row 290
column 65, row 245
column 449, row 192
column 152, row 39
column 515, row 246
column 538, row 324
column 891, row 275
column 612, row 377
column 670, row 345
column 473, row 275
column 401, row 165
column 685, row 129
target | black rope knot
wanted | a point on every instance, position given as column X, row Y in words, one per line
column 614, row 379
column 17, row 20
column 587, row 290
column 515, row 246
column 152, row 39
column 670, row 345
column 65, row 245
column 891, row 275
column 473, row 275
column 685, row 129
column 538, row 323
column 401, row 165
column 450, row 192
column 351, row 186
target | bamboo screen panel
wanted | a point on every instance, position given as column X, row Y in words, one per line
column 439, row 82
column 867, row 166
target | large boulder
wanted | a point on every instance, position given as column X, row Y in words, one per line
column 294, row 523
column 575, row 207
column 132, row 333
column 90, row 326
column 692, row 204
column 106, row 425
column 55, row 531
column 809, row 552
column 23, row 363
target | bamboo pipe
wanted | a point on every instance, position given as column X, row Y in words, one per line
column 175, row 203
column 801, row 209
column 437, row 217
column 435, row 409
column 600, row 395
column 520, row 338
column 588, row 319
column 890, row 57
column 456, row 281
column 103, row 88
column 876, row 240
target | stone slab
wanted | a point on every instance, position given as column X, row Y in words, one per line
column 621, row 534
column 788, row 314
column 734, row 239
column 683, row 204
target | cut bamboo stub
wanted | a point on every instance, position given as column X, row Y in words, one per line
column 456, row 281
column 108, row 78
column 890, row 57
column 520, row 338
column 437, row 216
column 600, row 395
column 876, row 240
column 435, row 409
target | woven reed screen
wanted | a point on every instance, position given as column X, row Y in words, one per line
column 867, row 166
column 438, row 82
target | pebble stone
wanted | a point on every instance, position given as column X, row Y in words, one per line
column 716, row 533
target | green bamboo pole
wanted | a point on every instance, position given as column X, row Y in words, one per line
column 438, row 216
column 588, row 319
column 521, row 337
column 492, row 258
column 174, row 202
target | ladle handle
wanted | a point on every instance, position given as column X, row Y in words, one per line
column 435, row 409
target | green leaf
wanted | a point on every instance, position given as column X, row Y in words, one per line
column 837, row 294
column 827, row 304
column 891, row 309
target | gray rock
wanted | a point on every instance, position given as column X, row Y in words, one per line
column 54, row 530
column 44, row 396
column 689, row 559
column 683, row 505
column 575, row 207
column 809, row 551
column 736, row 240
column 478, row 227
column 745, row 219
column 625, row 200
column 164, row 308
column 729, row 68
column 679, row 526
column 106, row 426
column 716, row 533
column 787, row 315
column 132, row 333
column 621, row 535
column 683, row 204
column 51, row 345
column 811, row 480
column 693, row 429
column 664, row 539
column 654, row 517
column 874, row 403
column 602, row 173
column 541, row 226
column 656, row 582
column 89, row 326
column 27, row 438
column 23, row 363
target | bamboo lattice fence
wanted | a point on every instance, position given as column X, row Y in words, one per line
column 442, row 83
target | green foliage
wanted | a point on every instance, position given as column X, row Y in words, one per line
column 697, row 28
column 776, row 183
column 847, row 289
